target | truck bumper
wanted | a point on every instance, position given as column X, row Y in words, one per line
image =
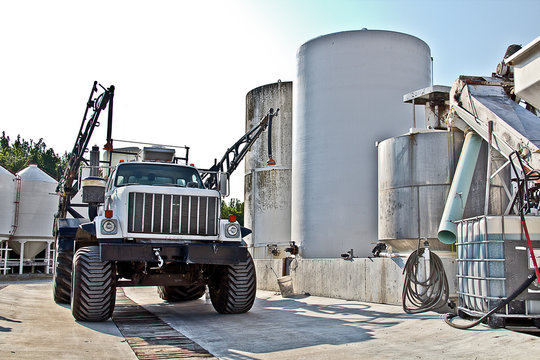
column 193, row 253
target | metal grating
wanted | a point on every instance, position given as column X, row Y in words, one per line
column 172, row 214
column 151, row 338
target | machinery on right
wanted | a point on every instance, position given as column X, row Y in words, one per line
column 497, row 270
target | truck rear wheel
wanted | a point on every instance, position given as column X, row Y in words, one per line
column 181, row 293
column 94, row 286
column 62, row 277
column 233, row 287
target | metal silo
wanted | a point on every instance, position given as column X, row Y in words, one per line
column 38, row 203
column 348, row 96
column 7, row 202
column 267, row 193
column 415, row 175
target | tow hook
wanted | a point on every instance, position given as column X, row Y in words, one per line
column 157, row 254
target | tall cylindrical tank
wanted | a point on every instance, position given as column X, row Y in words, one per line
column 415, row 172
column 348, row 96
column 7, row 202
column 38, row 203
column 267, row 189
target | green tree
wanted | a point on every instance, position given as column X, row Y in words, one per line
column 235, row 207
column 16, row 155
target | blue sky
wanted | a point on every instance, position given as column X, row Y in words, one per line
column 182, row 68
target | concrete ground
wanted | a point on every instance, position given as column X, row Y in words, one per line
column 33, row 326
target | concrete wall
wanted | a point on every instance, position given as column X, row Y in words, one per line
column 378, row 280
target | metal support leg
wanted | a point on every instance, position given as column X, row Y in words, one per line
column 21, row 259
column 5, row 254
column 48, row 258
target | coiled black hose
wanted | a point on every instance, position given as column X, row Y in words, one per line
column 432, row 293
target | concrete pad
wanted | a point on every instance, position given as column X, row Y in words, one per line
column 323, row 328
column 378, row 280
column 32, row 326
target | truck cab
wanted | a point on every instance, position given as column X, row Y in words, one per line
column 151, row 202
column 156, row 225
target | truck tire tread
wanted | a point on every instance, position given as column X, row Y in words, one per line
column 94, row 286
column 233, row 287
column 62, row 277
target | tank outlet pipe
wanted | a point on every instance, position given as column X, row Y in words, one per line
column 271, row 161
column 459, row 190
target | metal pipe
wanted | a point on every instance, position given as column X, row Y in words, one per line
column 94, row 161
column 459, row 190
column 488, row 170
column 413, row 114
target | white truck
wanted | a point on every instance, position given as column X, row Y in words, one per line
column 153, row 222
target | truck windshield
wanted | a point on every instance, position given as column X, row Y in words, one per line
column 157, row 174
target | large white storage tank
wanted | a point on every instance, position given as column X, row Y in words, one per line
column 267, row 189
column 348, row 96
column 7, row 202
column 38, row 203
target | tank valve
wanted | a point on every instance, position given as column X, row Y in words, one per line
column 273, row 248
column 349, row 255
column 379, row 248
column 292, row 249
column 271, row 161
column 157, row 253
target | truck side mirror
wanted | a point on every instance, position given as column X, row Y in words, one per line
column 223, row 184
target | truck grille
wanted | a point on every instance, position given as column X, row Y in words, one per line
column 172, row 214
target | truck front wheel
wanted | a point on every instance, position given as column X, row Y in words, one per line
column 233, row 287
column 93, row 287
column 62, row 276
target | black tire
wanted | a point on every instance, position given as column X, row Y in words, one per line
column 233, row 287
column 181, row 293
column 94, row 286
column 62, row 277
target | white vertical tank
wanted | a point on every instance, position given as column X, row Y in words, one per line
column 267, row 189
column 38, row 204
column 7, row 202
column 348, row 95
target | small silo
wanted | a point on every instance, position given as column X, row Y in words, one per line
column 38, row 204
column 267, row 192
column 7, row 202
column 348, row 96
column 416, row 172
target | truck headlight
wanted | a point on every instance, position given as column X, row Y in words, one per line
column 109, row 226
column 232, row 230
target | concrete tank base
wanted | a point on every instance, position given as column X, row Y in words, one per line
column 376, row 280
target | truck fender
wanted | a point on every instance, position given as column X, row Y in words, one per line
column 86, row 231
column 244, row 231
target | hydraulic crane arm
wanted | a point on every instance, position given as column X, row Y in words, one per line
column 96, row 103
column 236, row 153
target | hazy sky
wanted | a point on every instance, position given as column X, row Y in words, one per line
column 182, row 68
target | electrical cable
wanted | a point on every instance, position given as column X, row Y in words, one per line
column 424, row 295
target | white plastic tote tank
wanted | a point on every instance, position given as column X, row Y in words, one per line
column 267, row 189
column 348, row 95
column 38, row 204
column 7, row 202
